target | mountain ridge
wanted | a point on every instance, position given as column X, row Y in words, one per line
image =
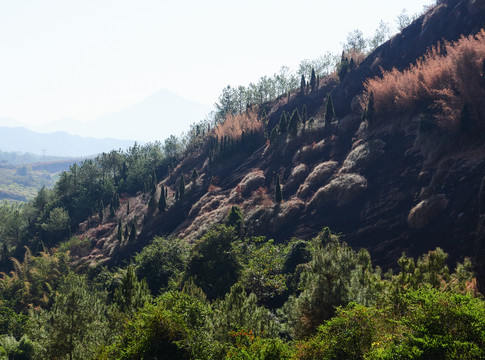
column 56, row 144
column 162, row 112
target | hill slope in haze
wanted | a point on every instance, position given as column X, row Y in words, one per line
column 56, row 144
column 155, row 118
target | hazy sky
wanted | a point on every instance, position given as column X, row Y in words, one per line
column 83, row 59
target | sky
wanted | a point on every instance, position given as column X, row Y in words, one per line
column 83, row 59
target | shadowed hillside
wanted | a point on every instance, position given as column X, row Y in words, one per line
column 388, row 182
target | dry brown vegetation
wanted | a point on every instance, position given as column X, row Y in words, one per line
column 234, row 125
column 449, row 76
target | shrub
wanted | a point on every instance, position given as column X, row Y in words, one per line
column 213, row 263
column 234, row 126
column 163, row 259
column 449, row 76
column 249, row 346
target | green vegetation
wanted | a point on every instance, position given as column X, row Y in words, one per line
column 317, row 299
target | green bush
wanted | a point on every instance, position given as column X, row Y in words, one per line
column 160, row 261
column 213, row 262
column 167, row 329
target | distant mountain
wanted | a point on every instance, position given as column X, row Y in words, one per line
column 155, row 118
column 7, row 121
column 56, row 144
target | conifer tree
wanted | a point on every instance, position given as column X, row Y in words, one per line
column 294, row 123
column 235, row 218
column 273, row 138
column 304, row 115
column 162, row 203
column 329, row 110
column 302, row 84
column 313, row 80
column 132, row 233
column 126, row 232
column 352, row 64
column 283, row 124
column 131, row 293
column 120, row 231
column 278, row 192
column 195, row 175
column 344, row 67
column 128, row 207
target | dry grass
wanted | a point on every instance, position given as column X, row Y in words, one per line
column 320, row 174
column 343, row 189
column 297, row 176
column 363, row 155
column 251, row 182
column 308, row 152
column 287, row 213
column 449, row 76
column 234, row 125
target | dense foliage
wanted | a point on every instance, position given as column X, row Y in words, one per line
column 234, row 297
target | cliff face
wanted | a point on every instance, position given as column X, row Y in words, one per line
column 381, row 187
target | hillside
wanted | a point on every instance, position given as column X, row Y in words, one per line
column 22, row 182
column 379, row 185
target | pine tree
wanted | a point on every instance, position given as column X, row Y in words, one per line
column 195, row 175
column 352, row 64
column 120, row 231
column 126, row 232
column 313, row 80
column 132, row 233
column 304, row 115
column 278, row 192
column 235, row 218
column 294, row 123
column 283, row 124
column 344, row 67
column 162, row 203
column 302, row 84
column 131, row 293
column 329, row 110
